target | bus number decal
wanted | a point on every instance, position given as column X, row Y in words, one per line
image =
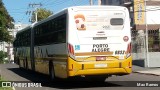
column 106, row 27
column 100, row 48
column 119, row 52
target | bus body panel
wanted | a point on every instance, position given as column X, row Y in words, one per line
column 50, row 45
column 22, row 48
column 99, row 68
column 53, row 52
column 89, row 40
column 97, row 41
column 95, row 37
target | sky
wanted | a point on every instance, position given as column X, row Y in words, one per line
column 18, row 8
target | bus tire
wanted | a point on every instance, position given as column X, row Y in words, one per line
column 51, row 71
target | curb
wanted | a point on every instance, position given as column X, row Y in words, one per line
column 146, row 73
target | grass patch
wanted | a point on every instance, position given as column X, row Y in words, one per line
column 3, row 88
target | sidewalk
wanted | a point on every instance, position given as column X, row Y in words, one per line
column 146, row 70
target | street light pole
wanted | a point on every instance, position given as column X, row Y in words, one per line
column 146, row 30
column 35, row 6
column 36, row 11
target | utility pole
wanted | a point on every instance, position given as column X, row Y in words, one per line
column 99, row 2
column 35, row 6
column 146, row 32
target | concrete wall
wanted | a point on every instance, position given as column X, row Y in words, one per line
column 154, row 59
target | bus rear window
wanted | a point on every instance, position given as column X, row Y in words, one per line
column 116, row 21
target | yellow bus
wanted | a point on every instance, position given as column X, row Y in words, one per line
column 78, row 41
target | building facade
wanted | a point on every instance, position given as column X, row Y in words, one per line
column 8, row 47
column 145, row 24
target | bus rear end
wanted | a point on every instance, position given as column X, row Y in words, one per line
column 99, row 41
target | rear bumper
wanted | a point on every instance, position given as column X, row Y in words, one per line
column 110, row 71
column 116, row 67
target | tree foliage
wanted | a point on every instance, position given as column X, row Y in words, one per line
column 5, row 23
column 42, row 13
column 2, row 56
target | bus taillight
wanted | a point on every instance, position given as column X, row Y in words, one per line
column 129, row 49
column 125, row 38
column 71, row 49
column 129, row 65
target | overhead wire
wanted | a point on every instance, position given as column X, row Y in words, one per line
column 42, row 1
column 48, row 3
column 53, row 3
column 58, row 2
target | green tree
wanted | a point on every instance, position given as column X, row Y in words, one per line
column 42, row 13
column 5, row 23
column 2, row 56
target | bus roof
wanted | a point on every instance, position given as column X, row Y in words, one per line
column 65, row 10
column 24, row 29
column 52, row 16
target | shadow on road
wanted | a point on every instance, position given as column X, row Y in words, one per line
column 61, row 84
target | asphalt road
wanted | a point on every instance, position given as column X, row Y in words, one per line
column 11, row 72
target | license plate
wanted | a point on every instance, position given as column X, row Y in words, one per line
column 100, row 65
